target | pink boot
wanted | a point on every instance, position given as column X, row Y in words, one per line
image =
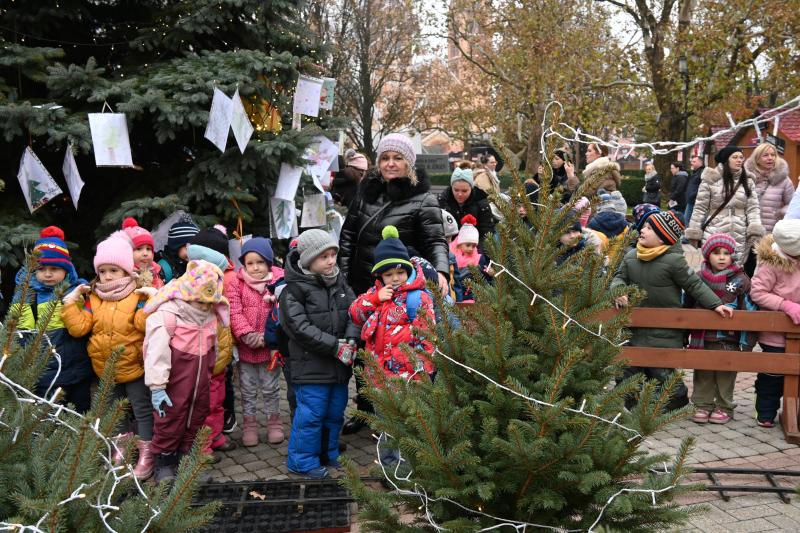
column 121, row 442
column 275, row 429
column 144, row 466
column 250, row 431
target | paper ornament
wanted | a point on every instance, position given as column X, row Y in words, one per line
column 219, row 120
column 313, row 211
column 320, row 154
column 112, row 148
column 288, row 181
column 307, row 95
column 240, row 123
column 37, row 185
column 283, row 215
column 73, row 177
column 326, row 95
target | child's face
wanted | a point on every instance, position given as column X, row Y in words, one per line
column 108, row 273
column 648, row 237
column 720, row 259
column 203, row 306
column 143, row 256
column 394, row 277
column 183, row 253
column 255, row 265
column 467, row 247
column 324, row 263
column 50, row 275
column 570, row 238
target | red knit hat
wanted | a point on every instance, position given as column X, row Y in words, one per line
column 139, row 236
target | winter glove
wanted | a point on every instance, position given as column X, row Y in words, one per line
column 253, row 340
column 346, row 352
column 147, row 291
column 157, row 397
column 76, row 294
column 793, row 310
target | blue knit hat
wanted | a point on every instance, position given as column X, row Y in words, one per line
column 197, row 251
column 180, row 233
column 260, row 245
column 53, row 250
column 391, row 253
column 641, row 213
column 609, row 223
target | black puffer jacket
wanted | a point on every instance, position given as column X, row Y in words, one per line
column 412, row 209
column 314, row 318
column 476, row 205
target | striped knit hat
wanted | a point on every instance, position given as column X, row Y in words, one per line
column 667, row 226
column 718, row 240
column 52, row 249
column 181, row 233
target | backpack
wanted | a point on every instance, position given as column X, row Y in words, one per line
column 274, row 334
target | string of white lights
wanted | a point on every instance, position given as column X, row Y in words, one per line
column 569, row 319
column 116, row 474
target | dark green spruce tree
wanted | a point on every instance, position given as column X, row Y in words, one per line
column 472, row 446
column 54, row 463
column 157, row 62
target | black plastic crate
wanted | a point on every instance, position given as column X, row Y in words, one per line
column 288, row 506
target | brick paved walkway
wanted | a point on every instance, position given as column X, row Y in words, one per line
column 739, row 443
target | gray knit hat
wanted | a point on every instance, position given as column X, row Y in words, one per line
column 313, row 242
column 397, row 142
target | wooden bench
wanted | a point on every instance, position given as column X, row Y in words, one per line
column 787, row 364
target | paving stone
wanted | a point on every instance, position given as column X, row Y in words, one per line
column 751, row 526
column 246, row 476
column 233, row 470
column 784, row 523
column 756, row 511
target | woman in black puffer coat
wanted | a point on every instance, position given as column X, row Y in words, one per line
column 393, row 195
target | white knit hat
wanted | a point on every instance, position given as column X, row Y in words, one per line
column 468, row 232
column 397, row 142
column 787, row 236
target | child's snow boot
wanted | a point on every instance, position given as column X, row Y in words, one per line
column 275, row 429
column 144, row 466
column 250, row 431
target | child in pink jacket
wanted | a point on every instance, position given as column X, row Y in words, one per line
column 180, row 349
column 776, row 287
column 259, row 369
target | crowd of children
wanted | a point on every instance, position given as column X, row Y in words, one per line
column 178, row 321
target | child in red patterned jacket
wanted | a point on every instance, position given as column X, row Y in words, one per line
column 388, row 310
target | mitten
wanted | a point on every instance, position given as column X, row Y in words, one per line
column 75, row 294
column 147, row 291
column 793, row 310
column 158, row 397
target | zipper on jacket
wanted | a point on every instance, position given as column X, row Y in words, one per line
column 197, row 380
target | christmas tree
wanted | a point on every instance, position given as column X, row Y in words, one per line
column 523, row 423
column 157, row 62
column 56, row 468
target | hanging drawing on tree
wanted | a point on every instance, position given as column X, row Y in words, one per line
column 320, row 154
column 112, row 147
column 219, row 120
column 283, row 217
column 307, row 95
column 313, row 211
column 288, row 180
column 326, row 95
column 73, row 177
column 240, row 123
column 37, row 185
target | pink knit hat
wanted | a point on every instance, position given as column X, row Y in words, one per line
column 202, row 282
column 116, row 250
column 139, row 236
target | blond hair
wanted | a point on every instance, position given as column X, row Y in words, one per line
column 759, row 151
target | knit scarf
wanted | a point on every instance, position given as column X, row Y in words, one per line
column 114, row 291
column 650, row 175
column 648, row 254
column 716, row 281
column 328, row 281
column 258, row 285
column 463, row 260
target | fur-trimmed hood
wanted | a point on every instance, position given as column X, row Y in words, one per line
column 779, row 172
column 767, row 254
column 601, row 165
column 373, row 186
column 711, row 174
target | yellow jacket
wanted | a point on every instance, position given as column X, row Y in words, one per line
column 112, row 324
column 224, row 350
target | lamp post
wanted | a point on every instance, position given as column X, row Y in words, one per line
column 683, row 69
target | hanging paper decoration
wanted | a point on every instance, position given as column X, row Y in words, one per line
column 240, row 123
column 73, row 177
column 313, row 211
column 112, row 147
column 37, row 185
column 326, row 95
column 219, row 120
column 288, row 181
column 307, row 95
column 320, row 154
column 283, row 217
